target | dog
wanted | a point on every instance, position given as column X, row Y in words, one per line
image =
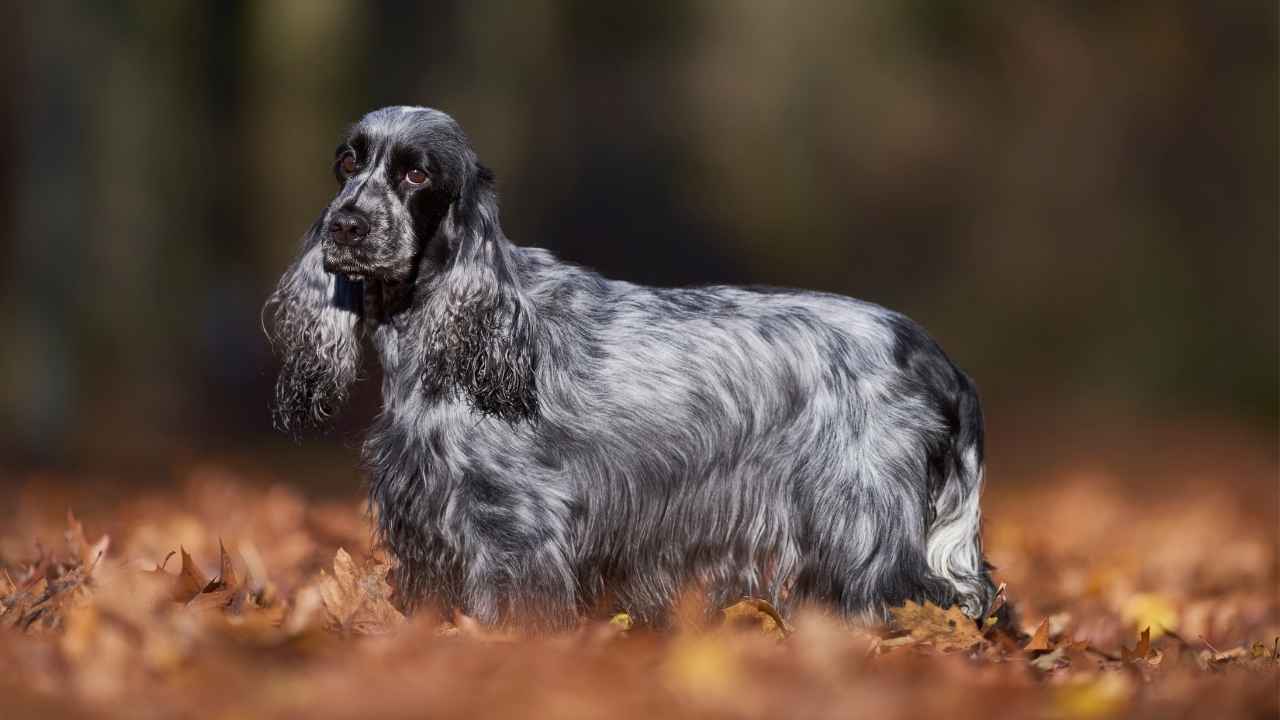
column 553, row 443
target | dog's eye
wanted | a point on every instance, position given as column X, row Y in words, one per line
column 415, row 177
column 348, row 164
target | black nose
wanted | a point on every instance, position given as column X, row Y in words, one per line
column 348, row 228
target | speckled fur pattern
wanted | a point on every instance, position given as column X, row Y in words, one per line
column 554, row 443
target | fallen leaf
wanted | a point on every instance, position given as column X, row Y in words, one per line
column 1101, row 696
column 226, row 579
column 159, row 569
column 191, row 581
column 753, row 612
column 1235, row 653
column 1152, row 611
column 946, row 630
column 358, row 599
column 25, row 600
column 7, row 588
column 1140, row 651
column 1040, row 639
column 74, row 534
column 1050, row 660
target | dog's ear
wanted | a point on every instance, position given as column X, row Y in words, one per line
column 480, row 327
column 316, row 328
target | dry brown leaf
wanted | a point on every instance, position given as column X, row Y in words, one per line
column 1235, row 653
column 74, row 534
column 7, row 588
column 159, row 569
column 1001, row 599
column 1139, row 652
column 222, row 592
column 946, row 630
column 1051, row 660
column 1079, row 654
column 1260, row 650
column 338, row 591
column 191, row 581
column 358, row 599
column 1040, row 640
column 1144, row 644
column 25, row 600
column 760, row 614
column 226, row 580
column 226, row 570
column 120, row 640
column 80, row 548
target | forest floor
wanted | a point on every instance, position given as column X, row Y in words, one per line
column 1145, row 588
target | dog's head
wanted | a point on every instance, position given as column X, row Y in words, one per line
column 400, row 170
column 413, row 229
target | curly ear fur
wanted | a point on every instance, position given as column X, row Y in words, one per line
column 316, row 328
column 479, row 326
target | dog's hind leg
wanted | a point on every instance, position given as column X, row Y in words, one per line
column 954, row 547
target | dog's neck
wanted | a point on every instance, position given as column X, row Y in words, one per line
column 384, row 300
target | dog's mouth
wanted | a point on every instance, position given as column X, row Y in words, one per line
column 345, row 261
column 355, row 268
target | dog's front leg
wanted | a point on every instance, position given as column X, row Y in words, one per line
column 519, row 573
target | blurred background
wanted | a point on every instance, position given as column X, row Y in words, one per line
column 1078, row 199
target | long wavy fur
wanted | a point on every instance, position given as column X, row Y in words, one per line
column 553, row 442
column 316, row 329
column 478, row 322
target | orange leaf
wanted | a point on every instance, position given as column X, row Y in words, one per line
column 948, row 629
column 758, row 613
column 1140, row 652
column 190, row 581
column 1040, row 640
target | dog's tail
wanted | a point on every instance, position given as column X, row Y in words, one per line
column 954, row 546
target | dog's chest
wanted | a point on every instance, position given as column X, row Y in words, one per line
column 399, row 383
column 420, row 426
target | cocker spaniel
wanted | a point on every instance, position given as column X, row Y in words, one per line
column 553, row 442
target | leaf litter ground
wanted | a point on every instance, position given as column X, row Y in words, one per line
column 238, row 596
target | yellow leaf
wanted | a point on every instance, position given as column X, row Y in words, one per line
column 1105, row 695
column 1151, row 611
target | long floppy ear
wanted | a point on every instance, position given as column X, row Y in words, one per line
column 316, row 328
column 480, row 327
